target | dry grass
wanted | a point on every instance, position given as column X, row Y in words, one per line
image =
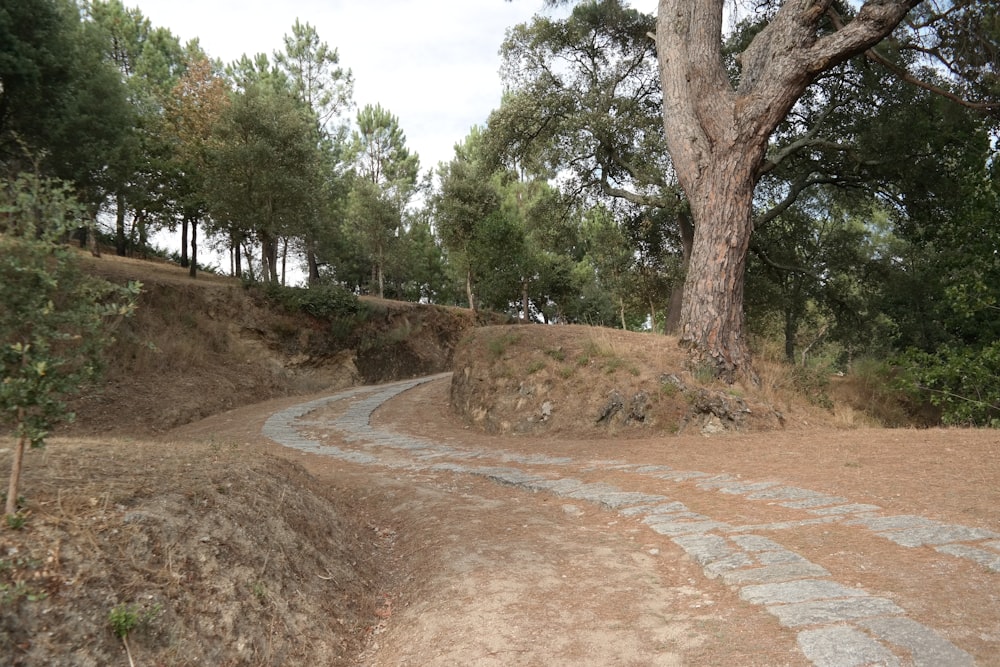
column 507, row 375
column 218, row 541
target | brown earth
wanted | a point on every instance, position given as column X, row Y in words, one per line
column 231, row 550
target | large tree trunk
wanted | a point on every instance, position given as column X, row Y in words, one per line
column 712, row 307
column 236, row 248
column 791, row 329
column 377, row 278
column 143, row 230
column 284, row 259
column 91, row 232
column 717, row 135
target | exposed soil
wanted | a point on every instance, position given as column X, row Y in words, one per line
column 231, row 550
column 198, row 347
column 942, row 474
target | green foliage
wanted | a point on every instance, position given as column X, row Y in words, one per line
column 315, row 73
column 146, row 62
column 557, row 353
column 19, row 571
column 384, row 180
column 54, row 320
column 964, row 382
column 417, row 270
column 263, row 165
column 500, row 256
column 327, row 302
column 124, row 618
column 259, row 591
column 60, row 99
column 875, row 387
column 16, row 521
column 585, row 100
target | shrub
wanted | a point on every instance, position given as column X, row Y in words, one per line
column 963, row 382
column 326, row 302
column 56, row 320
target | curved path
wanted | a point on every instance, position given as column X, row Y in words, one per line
column 837, row 624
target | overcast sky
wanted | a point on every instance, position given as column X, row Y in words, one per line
column 432, row 63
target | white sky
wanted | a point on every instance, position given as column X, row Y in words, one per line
column 432, row 63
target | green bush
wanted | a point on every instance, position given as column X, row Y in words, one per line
column 326, row 302
column 55, row 319
column 963, row 382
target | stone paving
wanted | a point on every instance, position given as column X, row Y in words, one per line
column 836, row 625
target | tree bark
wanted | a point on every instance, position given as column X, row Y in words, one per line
column 712, row 306
column 717, row 135
column 15, row 469
column 193, row 269
column 672, row 323
column 91, row 232
column 236, row 246
column 791, row 329
column 184, row 242
column 143, row 229
column 313, row 265
column 269, row 257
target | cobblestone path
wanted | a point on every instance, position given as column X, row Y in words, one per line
column 837, row 625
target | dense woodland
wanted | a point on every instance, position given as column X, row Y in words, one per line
column 874, row 210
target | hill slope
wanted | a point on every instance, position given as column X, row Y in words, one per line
column 198, row 347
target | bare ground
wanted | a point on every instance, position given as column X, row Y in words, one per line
column 233, row 550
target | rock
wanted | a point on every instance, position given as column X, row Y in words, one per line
column 637, row 408
column 712, row 426
column 615, row 404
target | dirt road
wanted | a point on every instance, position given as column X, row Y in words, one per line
column 820, row 547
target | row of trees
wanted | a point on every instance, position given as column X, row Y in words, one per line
column 825, row 170
column 257, row 156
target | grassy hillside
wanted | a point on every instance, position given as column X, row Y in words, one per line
column 578, row 381
column 198, row 347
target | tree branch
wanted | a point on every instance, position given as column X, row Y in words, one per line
column 798, row 187
column 876, row 57
column 757, row 250
column 903, row 74
column 808, row 139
